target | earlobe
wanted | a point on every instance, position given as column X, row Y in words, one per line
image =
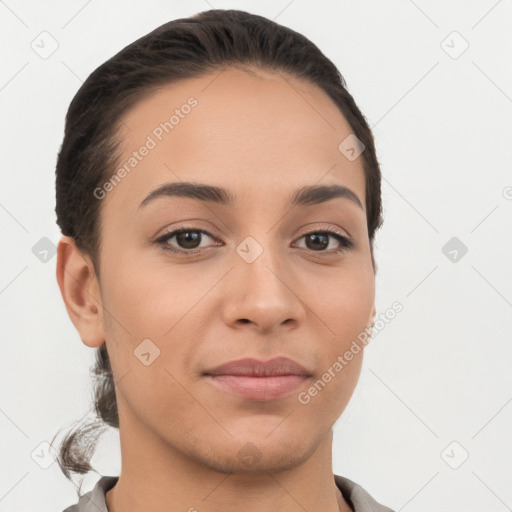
column 372, row 316
column 80, row 291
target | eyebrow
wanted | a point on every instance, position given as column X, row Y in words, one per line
column 304, row 196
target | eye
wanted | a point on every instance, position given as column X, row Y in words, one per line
column 188, row 240
column 318, row 240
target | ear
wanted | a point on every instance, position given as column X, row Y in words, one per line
column 372, row 315
column 80, row 290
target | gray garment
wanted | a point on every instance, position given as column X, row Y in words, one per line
column 355, row 496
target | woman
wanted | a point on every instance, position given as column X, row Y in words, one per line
column 218, row 193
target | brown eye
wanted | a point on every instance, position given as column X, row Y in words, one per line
column 186, row 240
column 318, row 241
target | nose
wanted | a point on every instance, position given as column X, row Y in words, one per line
column 262, row 294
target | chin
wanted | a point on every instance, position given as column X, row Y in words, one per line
column 252, row 455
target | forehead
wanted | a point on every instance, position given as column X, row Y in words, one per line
column 254, row 134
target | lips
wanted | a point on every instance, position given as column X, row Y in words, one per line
column 250, row 367
column 259, row 380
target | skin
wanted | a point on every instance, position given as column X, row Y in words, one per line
column 181, row 437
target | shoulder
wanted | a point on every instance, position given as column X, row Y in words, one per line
column 94, row 500
column 357, row 497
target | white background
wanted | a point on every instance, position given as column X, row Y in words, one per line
column 439, row 372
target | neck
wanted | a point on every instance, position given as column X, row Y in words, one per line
column 158, row 477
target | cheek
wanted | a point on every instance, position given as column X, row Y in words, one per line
column 150, row 314
column 343, row 303
column 328, row 394
column 344, row 309
column 150, row 297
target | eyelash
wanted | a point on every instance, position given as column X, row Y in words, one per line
column 345, row 243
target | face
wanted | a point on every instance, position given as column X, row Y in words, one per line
column 256, row 277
